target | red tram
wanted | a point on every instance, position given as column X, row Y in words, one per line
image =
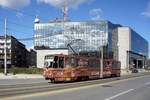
column 74, row 67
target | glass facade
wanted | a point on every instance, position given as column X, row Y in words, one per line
column 82, row 36
column 138, row 44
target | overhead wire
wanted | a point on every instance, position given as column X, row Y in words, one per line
column 21, row 25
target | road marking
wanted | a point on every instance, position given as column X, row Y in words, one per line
column 148, row 83
column 119, row 94
column 66, row 90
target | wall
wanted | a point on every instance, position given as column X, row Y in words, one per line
column 115, row 44
column 123, row 45
column 18, row 53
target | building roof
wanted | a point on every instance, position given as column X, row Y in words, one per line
column 12, row 37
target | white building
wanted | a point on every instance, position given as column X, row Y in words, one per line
column 42, row 53
column 129, row 48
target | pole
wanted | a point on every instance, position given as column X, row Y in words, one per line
column 5, row 48
column 143, row 62
column 101, row 63
column 128, row 61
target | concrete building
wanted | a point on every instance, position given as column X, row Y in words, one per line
column 148, row 64
column 90, row 36
column 16, row 52
column 31, row 58
column 129, row 48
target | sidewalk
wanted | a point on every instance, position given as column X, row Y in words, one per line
column 11, row 79
column 20, row 76
column 125, row 72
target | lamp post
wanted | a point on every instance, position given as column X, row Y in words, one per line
column 101, row 54
column 128, row 61
column 101, row 62
column 5, row 49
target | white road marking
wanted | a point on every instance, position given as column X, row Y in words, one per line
column 119, row 94
column 148, row 83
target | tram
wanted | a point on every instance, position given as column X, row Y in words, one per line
column 75, row 67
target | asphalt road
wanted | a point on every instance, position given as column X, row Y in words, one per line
column 130, row 89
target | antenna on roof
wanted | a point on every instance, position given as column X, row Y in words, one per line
column 65, row 11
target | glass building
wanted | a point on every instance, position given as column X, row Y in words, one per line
column 82, row 36
column 138, row 44
column 121, row 43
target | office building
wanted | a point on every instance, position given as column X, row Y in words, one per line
column 16, row 52
column 31, row 58
column 130, row 48
column 90, row 36
column 87, row 36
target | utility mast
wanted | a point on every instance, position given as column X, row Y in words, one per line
column 5, row 48
column 65, row 11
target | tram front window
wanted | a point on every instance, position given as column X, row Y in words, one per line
column 48, row 64
column 49, row 61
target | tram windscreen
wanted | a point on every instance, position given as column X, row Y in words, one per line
column 49, row 61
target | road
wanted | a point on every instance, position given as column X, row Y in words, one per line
column 129, row 89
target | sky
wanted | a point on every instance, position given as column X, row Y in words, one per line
column 20, row 14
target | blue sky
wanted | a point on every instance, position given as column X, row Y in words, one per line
column 21, row 14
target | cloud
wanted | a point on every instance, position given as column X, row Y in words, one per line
column 95, row 13
column 14, row 4
column 60, row 3
column 19, row 15
column 147, row 12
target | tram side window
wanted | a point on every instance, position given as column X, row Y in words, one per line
column 73, row 62
column 116, row 64
column 107, row 63
column 61, row 62
column 91, row 63
column 55, row 65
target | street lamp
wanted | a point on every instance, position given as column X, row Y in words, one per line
column 5, row 49
column 101, row 62
column 101, row 54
